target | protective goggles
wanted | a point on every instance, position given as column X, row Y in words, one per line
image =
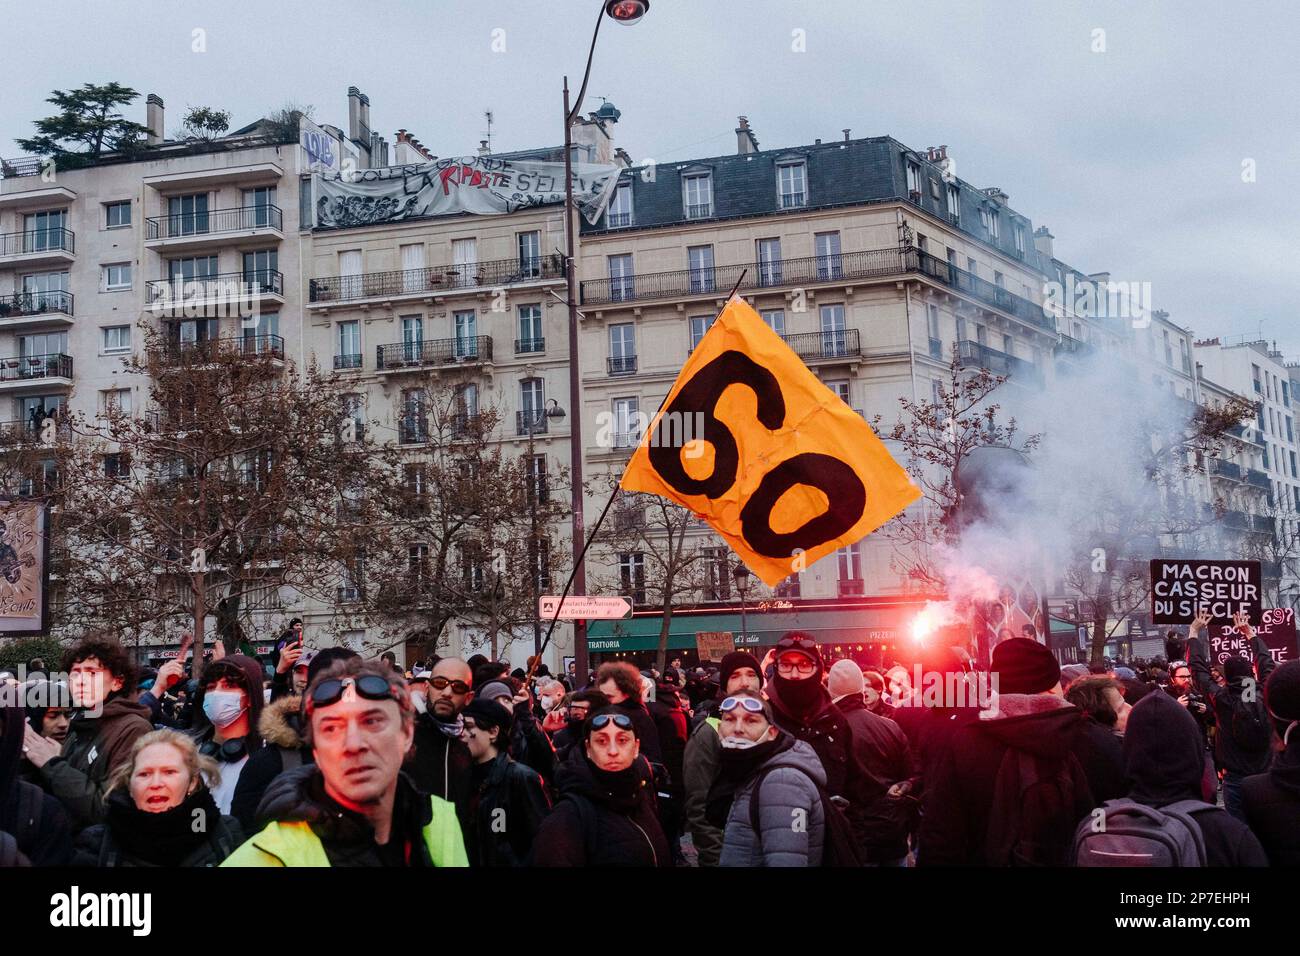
column 751, row 704
column 442, row 683
column 369, row 686
column 797, row 644
column 620, row 720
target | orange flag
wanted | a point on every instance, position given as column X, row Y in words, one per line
column 753, row 442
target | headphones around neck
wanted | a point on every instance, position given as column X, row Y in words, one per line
column 230, row 751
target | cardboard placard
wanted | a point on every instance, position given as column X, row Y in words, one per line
column 714, row 645
column 1277, row 630
column 1180, row 588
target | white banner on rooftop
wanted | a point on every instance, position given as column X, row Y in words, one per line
column 476, row 185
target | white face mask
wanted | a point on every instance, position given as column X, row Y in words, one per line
column 223, row 707
column 548, row 703
column 739, row 743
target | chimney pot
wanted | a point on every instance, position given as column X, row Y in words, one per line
column 154, row 119
column 846, row 134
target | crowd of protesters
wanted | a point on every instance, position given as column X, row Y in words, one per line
column 323, row 758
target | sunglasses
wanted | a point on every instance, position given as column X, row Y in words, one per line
column 751, row 704
column 442, row 683
column 369, row 686
column 603, row 720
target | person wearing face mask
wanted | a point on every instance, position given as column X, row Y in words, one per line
column 226, row 718
column 760, row 761
column 549, row 694
column 106, row 723
column 509, row 801
column 606, row 814
column 154, row 804
column 1271, row 800
column 281, row 726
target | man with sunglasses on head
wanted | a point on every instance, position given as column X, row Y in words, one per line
column 442, row 764
column 606, row 814
column 354, row 807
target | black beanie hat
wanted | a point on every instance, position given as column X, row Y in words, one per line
column 1238, row 668
column 488, row 714
column 1024, row 667
column 734, row 660
column 1282, row 692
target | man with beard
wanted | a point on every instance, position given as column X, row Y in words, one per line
column 802, row 708
column 442, row 765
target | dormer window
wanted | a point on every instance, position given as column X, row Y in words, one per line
column 913, row 180
column 697, row 195
column 792, row 184
column 620, row 207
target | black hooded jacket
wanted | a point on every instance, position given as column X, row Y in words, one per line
column 1164, row 763
column 508, row 806
column 1271, row 802
column 960, row 791
column 440, row 766
column 132, row 837
column 1227, row 751
column 34, row 818
column 280, row 727
column 592, row 825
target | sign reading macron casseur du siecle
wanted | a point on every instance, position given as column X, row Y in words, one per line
column 1181, row 589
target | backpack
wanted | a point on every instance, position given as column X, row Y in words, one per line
column 1135, row 834
column 839, row 844
column 1036, row 804
column 1249, row 726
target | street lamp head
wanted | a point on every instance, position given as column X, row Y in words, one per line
column 554, row 411
column 741, row 574
column 627, row 12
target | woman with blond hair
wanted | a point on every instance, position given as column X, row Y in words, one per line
column 159, row 810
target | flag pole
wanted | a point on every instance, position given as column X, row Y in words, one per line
column 591, row 535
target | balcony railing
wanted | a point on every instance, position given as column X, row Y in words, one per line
column 1262, row 523
column 35, row 303
column 229, row 285
column 29, row 429
column 412, row 430
column 378, row 285
column 793, row 200
column 352, row 360
column 53, row 239
column 214, row 222
column 616, row 219
column 1258, row 478
column 830, row 267
column 936, row 348
column 529, row 345
column 530, row 422
column 203, row 350
column 434, row 352
column 701, row 210
column 622, row 364
column 626, row 439
column 851, row 587
column 1229, row 469
column 999, row 363
column 837, row 343
column 53, row 365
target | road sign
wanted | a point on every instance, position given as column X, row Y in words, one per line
column 579, row 608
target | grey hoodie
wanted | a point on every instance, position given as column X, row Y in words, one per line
column 792, row 822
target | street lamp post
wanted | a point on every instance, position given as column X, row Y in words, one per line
column 534, row 418
column 741, row 574
column 626, row 12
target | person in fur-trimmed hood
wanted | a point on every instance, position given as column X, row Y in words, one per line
column 1009, row 788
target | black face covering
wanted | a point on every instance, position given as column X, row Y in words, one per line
column 735, row 767
column 800, row 695
column 620, row 787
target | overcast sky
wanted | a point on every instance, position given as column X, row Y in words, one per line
column 1132, row 156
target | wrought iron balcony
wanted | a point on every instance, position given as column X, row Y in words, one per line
column 53, row 365
column 621, row 364
column 434, row 352
column 225, row 285
column 1258, row 479
column 350, row 361
column 206, row 350
column 435, row 279
column 52, row 239
column 214, row 222
column 831, row 267
column 701, row 210
column 523, row 346
column 616, row 219
column 1229, row 469
column 814, row 346
column 35, row 303
column 794, row 200
column 999, row 363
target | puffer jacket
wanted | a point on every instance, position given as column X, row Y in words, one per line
column 93, row 749
column 786, row 792
column 280, row 726
column 591, row 826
